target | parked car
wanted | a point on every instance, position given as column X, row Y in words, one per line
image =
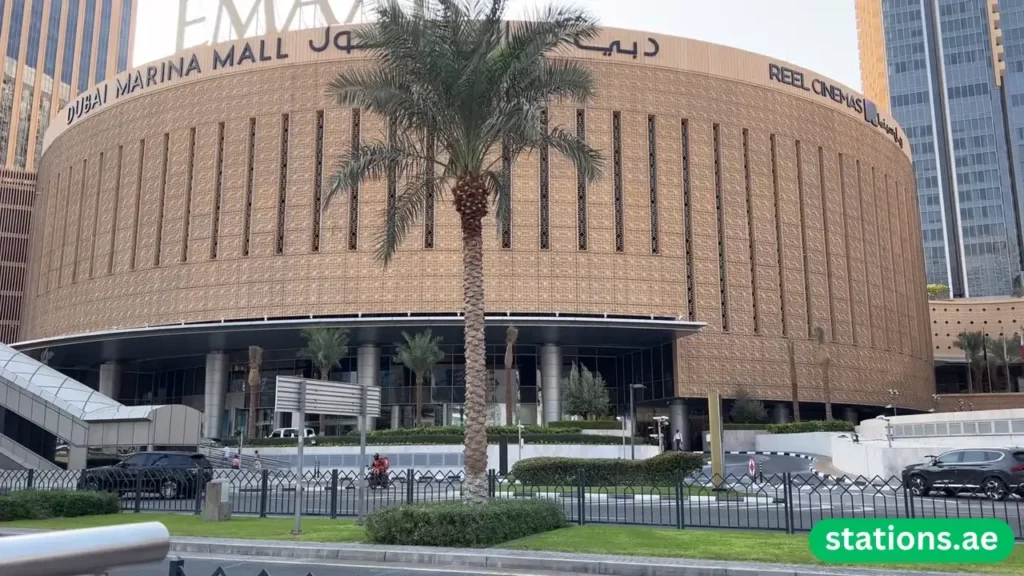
column 995, row 472
column 291, row 433
column 169, row 474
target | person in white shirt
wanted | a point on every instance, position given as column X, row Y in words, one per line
column 678, row 441
column 227, row 453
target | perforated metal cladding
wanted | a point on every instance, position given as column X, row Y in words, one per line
column 506, row 174
column 620, row 240
column 189, row 182
column 723, row 285
column 652, row 179
column 803, row 239
column 581, row 186
column 544, row 190
column 217, row 187
column 160, row 203
column 543, row 271
column 353, row 196
column 136, row 205
column 96, row 216
column 318, row 180
column 282, row 185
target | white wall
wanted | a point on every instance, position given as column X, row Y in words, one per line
column 871, row 459
column 735, row 440
column 816, row 443
column 430, row 456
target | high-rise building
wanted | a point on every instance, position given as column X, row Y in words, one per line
column 53, row 51
column 952, row 74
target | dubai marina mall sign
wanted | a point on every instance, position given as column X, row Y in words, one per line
column 202, row 22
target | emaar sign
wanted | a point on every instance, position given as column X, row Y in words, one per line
column 234, row 19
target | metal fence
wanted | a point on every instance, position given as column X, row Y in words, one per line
column 785, row 502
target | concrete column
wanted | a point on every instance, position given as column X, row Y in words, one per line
column 110, row 380
column 679, row 420
column 850, row 415
column 78, row 457
column 368, row 371
column 216, row 387
column 551, row 382
column 781, row 413
column 396, row 418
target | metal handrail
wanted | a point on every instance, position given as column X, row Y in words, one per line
column 86, row 551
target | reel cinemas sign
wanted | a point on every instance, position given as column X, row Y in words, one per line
column 825, row 89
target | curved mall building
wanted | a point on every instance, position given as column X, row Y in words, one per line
column 181, row 218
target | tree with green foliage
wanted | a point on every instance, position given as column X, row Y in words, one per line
column 325, row 347
column 584, row 393
column 746, row 410
column 419, row 353
column 462, row 91
column 973, row 346
column 937, row 291
column 1003, row 351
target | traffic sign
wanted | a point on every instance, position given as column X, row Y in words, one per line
column 752, row 467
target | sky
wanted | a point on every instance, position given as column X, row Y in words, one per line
column 820, row 35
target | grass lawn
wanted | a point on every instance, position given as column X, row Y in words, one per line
column 314, row 529
column 732, row 545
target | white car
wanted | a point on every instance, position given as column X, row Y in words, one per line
column 291, row 433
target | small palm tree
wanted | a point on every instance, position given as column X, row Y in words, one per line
column 420, row 353
column 973, row 345
column 325, row 347
column 1002, row 351
column 511, row 335
column 255, row 386
column 459, row 87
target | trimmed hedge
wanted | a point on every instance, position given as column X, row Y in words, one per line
column 463, row 525
column 811, row 426
column 587, row 424
column 43, row 504
column 661, row 470
column 400, row 440
column 456, row 430
column 738, row 426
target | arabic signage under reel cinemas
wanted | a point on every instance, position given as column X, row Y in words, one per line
column 616, row 48
column 825, row 89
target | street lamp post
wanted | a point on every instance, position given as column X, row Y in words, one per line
column 632, row 417
column 894, row 395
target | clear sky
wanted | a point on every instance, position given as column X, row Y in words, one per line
column 817, row 34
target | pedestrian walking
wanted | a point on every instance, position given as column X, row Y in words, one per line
column 236, row 463
column 678, row 441
column 256, row 461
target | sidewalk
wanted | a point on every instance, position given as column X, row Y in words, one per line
column 493, row 558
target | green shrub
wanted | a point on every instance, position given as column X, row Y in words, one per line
column 456, row 430
column 811, row 426
column 661, row 470
column 42, row 504
column 736, row 426
column 587, row 424
column 401, row 440
column 463, row 525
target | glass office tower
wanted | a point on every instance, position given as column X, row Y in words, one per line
column 939, row 64
column 53, row 51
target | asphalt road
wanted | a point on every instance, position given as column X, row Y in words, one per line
column 206, row 566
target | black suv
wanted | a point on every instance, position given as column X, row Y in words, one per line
column 169, row 474
column 994, row 472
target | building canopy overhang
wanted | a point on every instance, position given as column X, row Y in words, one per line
column 178, row 340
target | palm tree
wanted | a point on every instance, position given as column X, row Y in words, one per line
column 459, row 87
column 972, row 343
column 1002, row 351
column 325, row 347
column 511, row 335
column 420, row 353
column 255, row 363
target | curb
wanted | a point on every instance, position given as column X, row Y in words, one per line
column 510, row 560
column 491, row 558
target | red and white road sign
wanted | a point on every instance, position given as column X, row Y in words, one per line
column 752, row 467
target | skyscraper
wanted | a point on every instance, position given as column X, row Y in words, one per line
column 952, row 74
column 53, row 50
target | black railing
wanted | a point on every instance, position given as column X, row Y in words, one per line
column 785, row 502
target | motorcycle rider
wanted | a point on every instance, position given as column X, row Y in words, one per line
column 379, row 471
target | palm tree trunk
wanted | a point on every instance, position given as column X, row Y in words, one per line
column 508, row 384
column 418, row 420
column 470, row 198
column 970, row 377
